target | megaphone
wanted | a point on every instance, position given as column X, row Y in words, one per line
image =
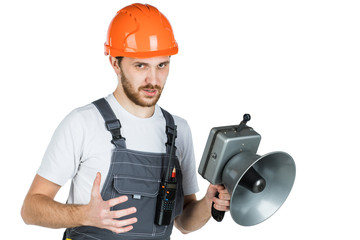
column 258, row 185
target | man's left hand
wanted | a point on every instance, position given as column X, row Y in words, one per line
column 222, row 202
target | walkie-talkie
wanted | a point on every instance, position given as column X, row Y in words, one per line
column 167, row 192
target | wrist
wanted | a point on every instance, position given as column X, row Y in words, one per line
column 207, row 203
column 208, row 199
column 80, row 216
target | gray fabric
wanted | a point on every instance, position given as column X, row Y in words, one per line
column 137, row 175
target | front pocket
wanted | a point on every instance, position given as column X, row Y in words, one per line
column 142, row 194
column 137, row 186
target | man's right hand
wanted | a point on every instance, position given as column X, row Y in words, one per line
column 98, row 214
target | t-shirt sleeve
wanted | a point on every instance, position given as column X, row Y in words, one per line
column 187, row 159
column 62, row 156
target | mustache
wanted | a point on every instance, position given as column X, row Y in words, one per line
column 150, row 86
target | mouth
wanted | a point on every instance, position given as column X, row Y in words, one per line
column 149, row 92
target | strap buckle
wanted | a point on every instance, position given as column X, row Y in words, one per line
column 170, row 132
column 113, row 126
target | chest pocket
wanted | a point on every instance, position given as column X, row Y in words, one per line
column 142, row 194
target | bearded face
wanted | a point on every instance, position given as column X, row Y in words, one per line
column 142, row 80
column 144, row 96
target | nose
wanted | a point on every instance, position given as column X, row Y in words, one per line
column 152, row 77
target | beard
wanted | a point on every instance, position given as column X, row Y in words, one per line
column 135, row 94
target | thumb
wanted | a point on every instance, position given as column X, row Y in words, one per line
column 95, row 191
column 211, row 192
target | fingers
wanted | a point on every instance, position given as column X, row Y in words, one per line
column 99, row 214
column 115, row 201
column 95, row 191
column 221, row 205
column 223, row 192
column 222, row 202
column 121, row 226
column 224, row 195
column 122, row 213
column 121, row 230
column 221, row 189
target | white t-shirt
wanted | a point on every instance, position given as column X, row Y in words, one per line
column 81, row 146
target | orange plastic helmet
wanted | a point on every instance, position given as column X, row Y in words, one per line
column 140, row 31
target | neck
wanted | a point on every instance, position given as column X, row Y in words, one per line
column 128, row 105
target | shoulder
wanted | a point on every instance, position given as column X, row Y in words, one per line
column 83, row 114
column 181, row 123
column 86, row 111
column 183, row 131
column 81, row 119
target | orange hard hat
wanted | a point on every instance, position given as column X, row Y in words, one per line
column 140, row 31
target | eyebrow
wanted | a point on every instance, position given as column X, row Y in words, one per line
column 147, row 64
column 166, row 62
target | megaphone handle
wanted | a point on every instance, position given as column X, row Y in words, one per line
column 216, row 214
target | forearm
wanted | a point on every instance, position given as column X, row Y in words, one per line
column 195, row 215
column 41, row 210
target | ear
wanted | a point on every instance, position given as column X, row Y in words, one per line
column 115, row 65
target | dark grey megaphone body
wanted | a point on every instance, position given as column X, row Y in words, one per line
column 258, row 185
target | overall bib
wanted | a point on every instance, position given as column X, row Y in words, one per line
column 137, row 175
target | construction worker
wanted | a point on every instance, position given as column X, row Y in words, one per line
column 141, row 157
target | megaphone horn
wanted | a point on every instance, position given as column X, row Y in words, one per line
column 258, row 185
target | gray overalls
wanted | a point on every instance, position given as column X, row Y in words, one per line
column 137, row 175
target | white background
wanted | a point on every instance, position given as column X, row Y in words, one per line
column 293, row 65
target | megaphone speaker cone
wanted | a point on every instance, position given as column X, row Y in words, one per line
column 258, row 185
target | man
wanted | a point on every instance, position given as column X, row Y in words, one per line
column 120, row 142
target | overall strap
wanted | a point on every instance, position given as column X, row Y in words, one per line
column 170, row 130
column 112, row 124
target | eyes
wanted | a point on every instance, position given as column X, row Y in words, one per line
column 162, row 65
column 141, row 66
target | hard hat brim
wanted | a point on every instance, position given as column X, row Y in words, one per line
column 121, row 53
